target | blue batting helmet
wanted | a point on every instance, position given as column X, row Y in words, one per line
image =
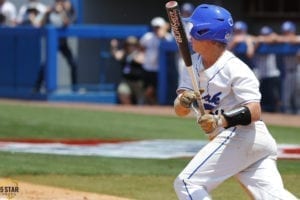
column 288, row 26
column 266, row 30
column 240, row 26
column 187, row 7
column 211, row 22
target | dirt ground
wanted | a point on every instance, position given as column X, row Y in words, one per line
column 30, row 191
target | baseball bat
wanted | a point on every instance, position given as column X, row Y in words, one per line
column 183, row 46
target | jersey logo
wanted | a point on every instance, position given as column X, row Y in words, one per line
column 211, row 101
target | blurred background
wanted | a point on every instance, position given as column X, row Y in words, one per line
column 52, row 60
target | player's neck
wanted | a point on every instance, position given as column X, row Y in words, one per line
column 211, row 57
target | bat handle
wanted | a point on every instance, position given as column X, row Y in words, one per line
column 200, row 104
column 196, row 90
column 196, row 111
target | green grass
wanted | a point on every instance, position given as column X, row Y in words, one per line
column 20, row 121
column 38, row 164
column 134, row 178
column 36, row 122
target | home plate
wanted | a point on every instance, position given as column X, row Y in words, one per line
column 156, row 149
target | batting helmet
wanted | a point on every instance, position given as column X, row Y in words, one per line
column 240, row 26
column 211, row 22
column 288, row 26
column 266, row 30
column 187, row 7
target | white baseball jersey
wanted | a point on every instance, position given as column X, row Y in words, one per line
column 246, row 152
column 151, row 44
column 228, row 70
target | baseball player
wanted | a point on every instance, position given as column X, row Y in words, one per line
column 242, row 43
column 241, row 144
column 289, row 91
column 150, row 42
column 267, row 72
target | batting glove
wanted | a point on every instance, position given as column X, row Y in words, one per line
column 187, row 98
column 209, row 123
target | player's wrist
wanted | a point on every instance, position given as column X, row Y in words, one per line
column 179, row 109
column 223, row 122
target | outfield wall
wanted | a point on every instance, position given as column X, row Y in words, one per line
column 21, row 53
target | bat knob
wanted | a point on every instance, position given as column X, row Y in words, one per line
column 171, row 4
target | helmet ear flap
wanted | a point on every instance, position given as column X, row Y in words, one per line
column 203, row 31
column 199, row 31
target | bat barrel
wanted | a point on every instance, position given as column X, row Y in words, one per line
column 183, row 45
column 179, row 31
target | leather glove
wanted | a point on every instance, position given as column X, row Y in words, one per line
column 209, row 122
column 187, row 98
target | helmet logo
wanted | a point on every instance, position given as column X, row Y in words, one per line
column 227, row 36
column 230, row 21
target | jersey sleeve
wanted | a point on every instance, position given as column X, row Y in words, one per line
column 244, row 83
column 145, row 39
column 185, row 82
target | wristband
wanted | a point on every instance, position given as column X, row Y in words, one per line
column 238, row 116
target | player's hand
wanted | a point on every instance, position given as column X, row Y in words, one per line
column 209, row 122
column 187, row 98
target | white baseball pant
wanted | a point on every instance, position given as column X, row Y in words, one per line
column 247, row 152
